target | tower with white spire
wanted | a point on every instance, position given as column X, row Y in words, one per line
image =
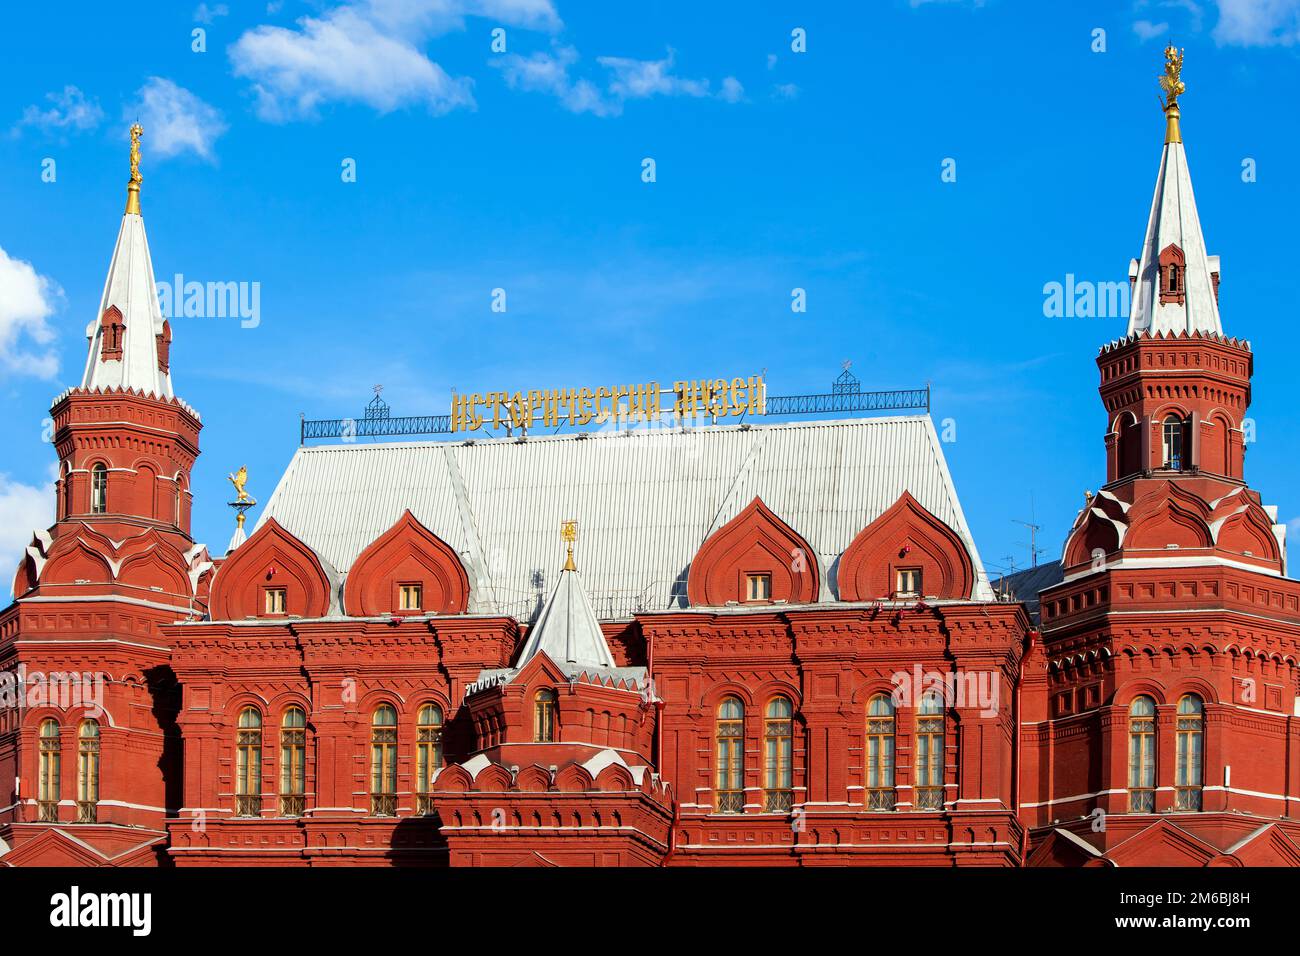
column 94, row 590
column 1169, row 648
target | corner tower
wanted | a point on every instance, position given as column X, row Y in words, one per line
column 1171, row 645
column 89, row 758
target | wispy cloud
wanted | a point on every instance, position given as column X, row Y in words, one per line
column 549, row 73
column 626, row 79
column 69, row 111
column 207, row 14
column 176, row 121
column 369, row 52
column 23, row 509
column 1146, row 30
column 27, row 299
column 1258, row 23
column 785, row 91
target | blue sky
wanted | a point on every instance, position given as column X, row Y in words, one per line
column 521, row 170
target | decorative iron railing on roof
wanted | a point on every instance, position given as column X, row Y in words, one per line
column 846, row 397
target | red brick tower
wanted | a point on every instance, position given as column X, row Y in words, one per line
column 89, row 757
column 1161, row 729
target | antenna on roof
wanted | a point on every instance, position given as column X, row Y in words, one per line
column 1034, row 528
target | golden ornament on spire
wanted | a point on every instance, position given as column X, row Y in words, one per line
column 569, row 534
column 1171, row 82
column 133, row 185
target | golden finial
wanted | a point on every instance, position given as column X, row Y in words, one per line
column 239, row 479
column 569, row 534
column 133, row 185
column 1171, row 82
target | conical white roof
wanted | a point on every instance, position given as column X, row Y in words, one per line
column 1174, row 221
column 130, row 287
column 567, row 629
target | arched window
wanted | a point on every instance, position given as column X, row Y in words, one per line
column 88, row 772
column 544, row 716
column 731, row 756
column 1142, row 755
column 778, row 753
column 880, row 753
column 51, row 769
column 383, row 762
column 99, row 489
column 1191, row 744
column 928, row 785
column 1172, row 279
column 293, row 762
column 428, row 754
column 1175, row 443
column 248, row 763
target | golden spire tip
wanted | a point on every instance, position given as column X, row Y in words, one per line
column 1171, row 82
column 569, row 534
column 133, row 185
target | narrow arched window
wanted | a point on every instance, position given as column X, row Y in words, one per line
column 1175, row 452
column 880, row 753
column 51, row 772
column 1142, row 755
column 293, row 762
column 1173, row 278
column 778, row 752
column 544, row 716
column 248, row 763
column 99, row 489
column 731, row 756
column 428, row 754
column 88, row 772
column 383, row 762
column 928, row 785
column 1191, row 744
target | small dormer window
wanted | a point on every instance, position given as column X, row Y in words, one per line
column 410, row 597
column 758, row 587
column 1173, row 281
column 274, row 601
column 909, row 582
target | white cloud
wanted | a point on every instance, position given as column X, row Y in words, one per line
column 26, row 301
column 369, row 52
column 771, row 61
column 176, row 121
column 1258, row 23
column 1146, row 30
column 785, row 91
column 549, row 73
column 23, row 509
column 70, row 111
column 640, row 79
column 732, row 91
column 207, row 14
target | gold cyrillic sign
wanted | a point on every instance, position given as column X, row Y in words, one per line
column 717, row 398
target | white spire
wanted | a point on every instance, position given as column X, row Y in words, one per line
column 1187, row 303
column 567, row 629
column 129, row 357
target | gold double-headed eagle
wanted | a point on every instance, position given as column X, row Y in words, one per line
column 239, row 479
column 1171, row 80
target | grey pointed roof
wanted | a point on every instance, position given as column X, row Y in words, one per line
column 129, row 286
column 645, row 499
column 567, row 629
column 1174, row 221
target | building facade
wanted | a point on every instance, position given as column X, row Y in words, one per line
column 764, row 644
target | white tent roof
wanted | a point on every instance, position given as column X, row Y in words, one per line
column 1174, row 220
column 645, row 500
column 129, row 286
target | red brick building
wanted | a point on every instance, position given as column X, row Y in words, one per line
column 773, row 644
